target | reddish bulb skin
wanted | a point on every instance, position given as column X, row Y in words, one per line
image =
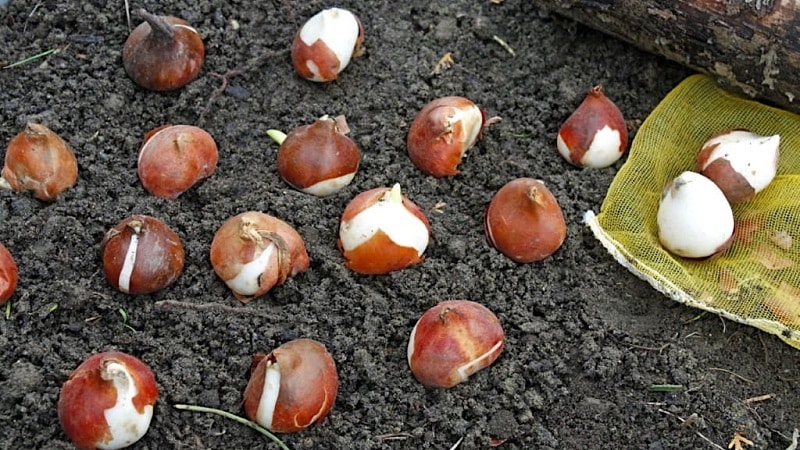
column 173, row 158
column 524, row 221
column 595, row 112
column 308, row 388
column 733, row 184
column 38, row 160
column 9, row 275
column 452, row 334
column 433, row 145
column 240, row 237
column 321, row 55
column 163, row 53
column 159, row 258
column 380, row 255
column 85, row 396
column 315, row 153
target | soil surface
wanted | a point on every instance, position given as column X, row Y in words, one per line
column 585, row 340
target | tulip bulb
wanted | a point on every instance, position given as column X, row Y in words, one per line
column 9, row 274
column 694, row 218
column 381, row 231
column 318, row 159
column 324, row 45
column 292, row 387
column 740, row 162
column 595, row 135
column 107, row 402
column 253, row 252
column 453, row 340
column 141, row 255
column 38, row 160
column 174, row 158
column 163, row 53
column 524, row 221
column 442, row 132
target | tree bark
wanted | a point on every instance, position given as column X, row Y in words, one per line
column 749, row 46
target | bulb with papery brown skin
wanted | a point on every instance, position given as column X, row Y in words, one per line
column 326, row 43
column 442, row 131
column 595, row 135
column 9, row 274
column 319, row 159
column 173, row 158
column 108, row 401
column 740, row 162
column 524, row 221
column 291, row 388
column 163, row 53
column 141, row 255
column 382, row 231
column 38, row 160
column 253, row 252
column 453, row 340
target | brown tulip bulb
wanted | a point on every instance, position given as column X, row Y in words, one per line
column 595, row 135
column 163, row 53
column 381, row 231
column 38, row 160
column 107, row 402
column 740, row 162
column 292, row 387
column 9, row 274
column 324, row 45
column 319, row 159
column 174, row 158
column 442, row 132
column 253, row 252
column 524, row 221
column 453, row 340
column 141, row 255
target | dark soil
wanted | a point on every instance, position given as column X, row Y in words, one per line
column 586, row 340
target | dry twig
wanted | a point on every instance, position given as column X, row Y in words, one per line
column 758, row 398
column 730, row 372
column 445, row 62
column 174, row 305
column 699, row 434
column 738, row 442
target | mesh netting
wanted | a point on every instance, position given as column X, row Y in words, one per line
column 757, row 280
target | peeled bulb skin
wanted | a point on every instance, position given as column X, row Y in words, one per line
column 252, row 252
column 694, row 217
column 292, row 387
column 324, row 45
column 163, row 53
column 38, row 160
column 524, row 221
column 9, row 274
column 381, row 231
column 442, row 132
column 174, row 158
column 319, row 159
column 595, row 135
column 453, row 340
column 740, row 162
column 107, row 402
column 141, row 255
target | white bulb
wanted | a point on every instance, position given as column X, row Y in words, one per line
column 694, row 219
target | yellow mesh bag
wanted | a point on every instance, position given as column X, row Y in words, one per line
column 757, row 280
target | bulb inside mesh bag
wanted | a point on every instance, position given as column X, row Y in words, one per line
column 757, row 280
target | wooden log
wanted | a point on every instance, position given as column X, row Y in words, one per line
column 749, row 46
